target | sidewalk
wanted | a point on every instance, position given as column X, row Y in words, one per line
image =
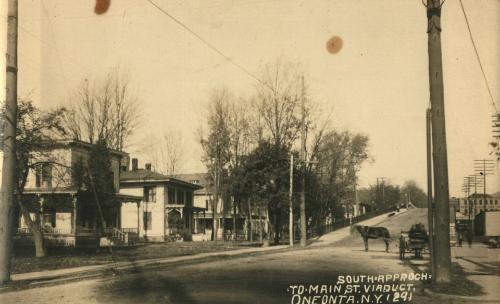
column 482, row 266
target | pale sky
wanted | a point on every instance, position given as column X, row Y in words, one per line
column 377, row 84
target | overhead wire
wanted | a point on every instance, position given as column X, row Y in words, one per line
column 478, row 57
column 209, row 45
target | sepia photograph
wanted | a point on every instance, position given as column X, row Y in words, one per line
column 250, row 151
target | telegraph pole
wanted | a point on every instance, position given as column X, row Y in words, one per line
column 9, row 144
column 430, row 204
column 440, row 154
column 290, row 222
column 382, row 179
column 303, row 224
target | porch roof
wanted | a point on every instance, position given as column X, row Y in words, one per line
column 128, row 197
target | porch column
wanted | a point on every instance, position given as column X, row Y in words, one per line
column 39, row 218
column 195, row 225
column 73, row 215
column 138, row 220
column 204, row 222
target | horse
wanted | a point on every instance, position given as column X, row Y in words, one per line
column 368, row 232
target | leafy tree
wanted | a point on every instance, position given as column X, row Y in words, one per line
column 416, row 195
column 264, row 179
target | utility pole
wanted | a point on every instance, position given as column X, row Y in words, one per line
column 484, row 167
column 9, row 144
column 290, row 222
column 382, row 183
column 303, row 224
column 430, row 204
column 440, row 154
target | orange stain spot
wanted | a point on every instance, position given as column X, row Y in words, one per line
column 101, row 6
column 334, row 45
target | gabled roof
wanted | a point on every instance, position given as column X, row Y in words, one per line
column 201, row 179
column 148, row 176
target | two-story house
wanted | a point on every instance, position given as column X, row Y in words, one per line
column 53, row 199
column 167, row 209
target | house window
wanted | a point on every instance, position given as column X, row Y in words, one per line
column 49, row 218
column 189, row 198
column 147, row 220
column 150, row 194
column 206, row 204
column 43, row 174
column 180, row 197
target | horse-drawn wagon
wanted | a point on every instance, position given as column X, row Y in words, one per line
column 416, row 240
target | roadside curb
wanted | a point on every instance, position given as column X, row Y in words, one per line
column 112, row 268
column 457, row 297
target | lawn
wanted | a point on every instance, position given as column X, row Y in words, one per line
column 75, row 258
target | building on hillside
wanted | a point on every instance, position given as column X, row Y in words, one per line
column 225, row 212
column 67, row 217
column 167, row 210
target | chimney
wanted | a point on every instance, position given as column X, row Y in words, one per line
column 135, row 164
column 148, row 166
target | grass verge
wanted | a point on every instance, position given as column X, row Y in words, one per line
column 69, row 258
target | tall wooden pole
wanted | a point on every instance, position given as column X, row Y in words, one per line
column 9, row 144
column 303, row 224
column 290, row 222
column 430, row 205
column 440, row 155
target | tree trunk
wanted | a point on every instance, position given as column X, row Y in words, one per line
column 35, row 229
column 276, row 229
column 260, row 226
column 250, row 237
column 214, row 215
column 234, row 219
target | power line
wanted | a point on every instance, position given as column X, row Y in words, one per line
column 478, row 58
column 208, row 44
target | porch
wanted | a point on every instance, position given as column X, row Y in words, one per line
column 66, row 219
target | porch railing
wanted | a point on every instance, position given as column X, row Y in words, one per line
column 46, row 230
column 116, row 234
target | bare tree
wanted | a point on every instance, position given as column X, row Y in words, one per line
column 216, row 145
column 278, row 103
column 166, row 153
column 104, row 109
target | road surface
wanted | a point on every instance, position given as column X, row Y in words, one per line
column 260, row 278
